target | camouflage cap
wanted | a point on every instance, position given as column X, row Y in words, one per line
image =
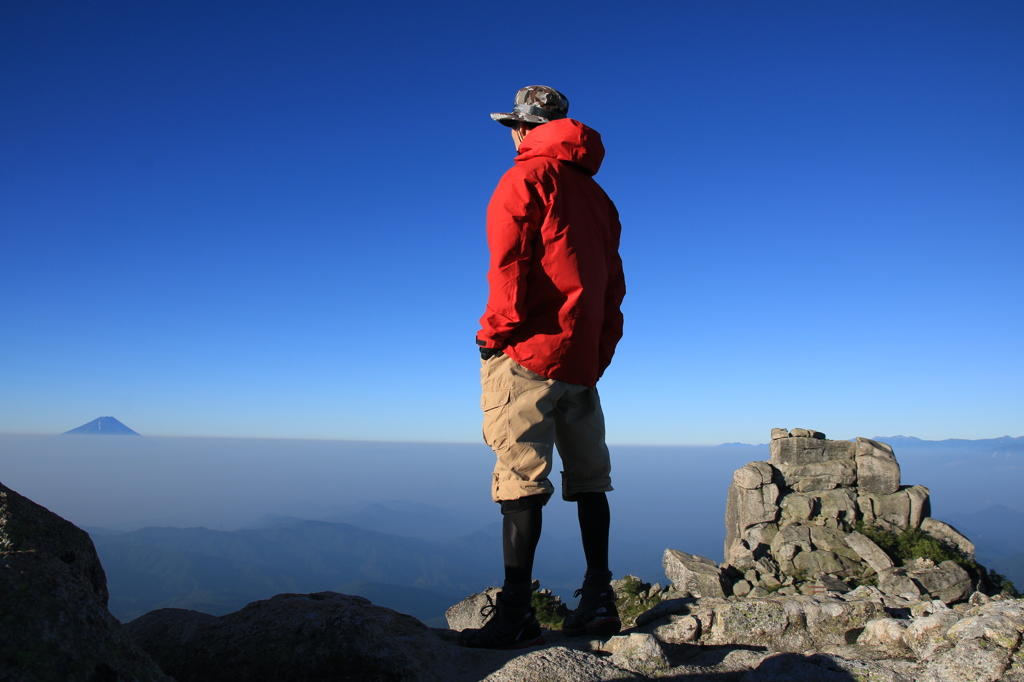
column 535, row 104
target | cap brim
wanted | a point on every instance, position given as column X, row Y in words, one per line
column 513, row 117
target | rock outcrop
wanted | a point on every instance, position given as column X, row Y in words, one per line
column 28, row 527
column 323, row 636
column 53, row 594
column 792, row 520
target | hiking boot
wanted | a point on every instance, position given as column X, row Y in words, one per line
column 596, row 613
column 507, row 628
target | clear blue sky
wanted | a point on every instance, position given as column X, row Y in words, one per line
column 266, row 218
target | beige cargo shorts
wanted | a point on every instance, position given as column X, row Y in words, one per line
column 526, row 416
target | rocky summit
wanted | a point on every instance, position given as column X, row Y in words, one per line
column 834, row 571
column 793, row 524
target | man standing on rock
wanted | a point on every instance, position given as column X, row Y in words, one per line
column 549, row 332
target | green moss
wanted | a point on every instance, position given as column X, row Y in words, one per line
column 913, row 543
column 549, row 609
column 1000, row 583
column 633, row 600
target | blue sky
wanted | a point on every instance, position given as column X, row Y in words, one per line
column 266, row 219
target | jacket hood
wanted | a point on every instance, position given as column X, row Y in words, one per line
column 565, row 140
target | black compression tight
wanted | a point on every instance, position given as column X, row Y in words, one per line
column 520, row 535
column 595, row 520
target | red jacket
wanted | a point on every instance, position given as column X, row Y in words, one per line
column 555, row 276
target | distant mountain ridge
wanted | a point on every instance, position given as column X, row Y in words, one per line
column 102, row 426
column 1001, row 443
column 219, row 572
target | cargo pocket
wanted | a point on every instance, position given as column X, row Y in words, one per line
column 496, row 424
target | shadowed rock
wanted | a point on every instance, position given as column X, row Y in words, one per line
column 52, row 627
column 322, row 636
column 27, row 526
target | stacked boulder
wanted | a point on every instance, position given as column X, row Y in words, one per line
column 791, row 522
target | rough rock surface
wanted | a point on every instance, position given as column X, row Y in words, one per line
column 638, row 651
column 292, row 637
column 54, row 623
column 562, row 664
column 467, row 613
column 52, row 627
column 798, row 623
column 692, row 575
column 791, row 523
column 27, row 526
column 871, row 553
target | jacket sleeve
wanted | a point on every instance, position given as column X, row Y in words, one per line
column 514, row 215
column 611, row 330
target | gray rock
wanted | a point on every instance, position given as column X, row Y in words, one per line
column 766, row 566
column 751, row 501
column 865, row 593
column 837, row 508
column 794, row 537
column 886, row 633
column 54, row 628
column 798, row 623
column 680, row 630
column 779, row 433
column 985, row 646
column 294, row 637
column 920, row 504
column 797, row 450
column 836, row 473
column 466, row 614
column 1001, row 623
column 26, row 526
column 753, row 475
column 833, row 540
column 830, row 583
column 807, row 433
column 871, row 553
column 975, row 660
column 926, row 636
column 947, row 581
column 741, row 588
column 637, row 651
column 562, row 664
column 878, row 472
column 896, row 581
column 798, row 507
column 928, row 607
column 817, row 562
column 692, row 574
column 947, row 534
column 891, row 512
